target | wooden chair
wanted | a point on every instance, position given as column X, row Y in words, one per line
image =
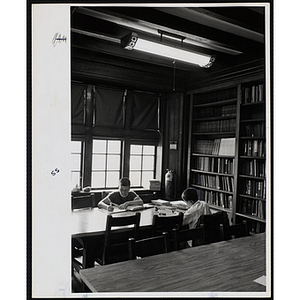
column 77, row 254
column 148, row 246
column 234, row 231
column 162, row 224
column 115, row 247
column 182, row 236
column 211, row 226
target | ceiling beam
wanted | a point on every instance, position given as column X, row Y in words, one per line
column 151, row 28
column 203, row 17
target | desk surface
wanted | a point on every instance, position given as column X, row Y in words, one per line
column 87, row 222
column 225, row 266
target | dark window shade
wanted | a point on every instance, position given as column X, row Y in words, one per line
column 77, row 103
column 109, row 107
column 145, row 111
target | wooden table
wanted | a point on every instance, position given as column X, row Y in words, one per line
column 219, row 267
column 90, row 222
column 88, row 227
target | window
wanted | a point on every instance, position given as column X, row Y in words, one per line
column 142, row 165
column 76, row 162
column 106, row 163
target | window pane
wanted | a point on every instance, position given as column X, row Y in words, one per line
column 135, row 178
column 99, row 146
column 146, row 176
column 98, row 179
column 149, row 150
column 135, row 162
column 112, row 179
column 148, row 162
column 114, row 147
column 113, row 162
column 98, row 162
column 136, row 149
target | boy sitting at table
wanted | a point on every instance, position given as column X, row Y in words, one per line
column 122, row 198
column 196, row 207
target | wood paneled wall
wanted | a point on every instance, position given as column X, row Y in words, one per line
column 175, row 139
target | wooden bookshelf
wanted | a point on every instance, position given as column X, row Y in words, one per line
column 251, row 194
column 212, row 159
column 227, row 150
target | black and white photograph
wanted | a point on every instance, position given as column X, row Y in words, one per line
column 152, row 150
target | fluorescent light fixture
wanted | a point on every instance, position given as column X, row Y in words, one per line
column 132, row 41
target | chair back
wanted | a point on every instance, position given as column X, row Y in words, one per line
column 211, row 226
column 116, row 241
column 162, row 224
column 148, row 246
column 182, row 236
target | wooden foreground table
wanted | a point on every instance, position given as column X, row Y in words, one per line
column 225, row 266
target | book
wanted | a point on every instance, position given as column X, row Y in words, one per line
column 135, row 208
column 161, row 202
column 247, row 95
column 227, row 147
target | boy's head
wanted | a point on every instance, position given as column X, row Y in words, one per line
column 190, row 196
column 124, row 186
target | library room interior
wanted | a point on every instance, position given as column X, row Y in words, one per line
column 170, row 134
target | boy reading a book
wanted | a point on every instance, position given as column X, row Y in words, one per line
column 196, row 207
column 122, row 198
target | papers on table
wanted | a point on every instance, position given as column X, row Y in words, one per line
column 159, row 203
column 180, row 204
column 128, row 209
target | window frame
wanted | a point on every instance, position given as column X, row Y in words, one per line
column 144, row 143
column 79, row 139
column 107, row 154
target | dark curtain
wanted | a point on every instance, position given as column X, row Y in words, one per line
column 145, row 111
column 77, row 103
column 108, row 107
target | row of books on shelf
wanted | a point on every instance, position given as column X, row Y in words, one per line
column 219, row 182
column 253, row 167
column 255, row 188
column 215, row 198
column 253, row 148
column 214, row 111
column 224, row 146
column 215, row 96
column 214, row 164
column 216, row 126
column 254, row 130
column 252, row 207
column 254, row 93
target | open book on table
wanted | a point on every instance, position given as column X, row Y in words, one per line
column 118, row 210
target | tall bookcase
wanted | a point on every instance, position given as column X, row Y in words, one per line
column 251, row 196
column 227, row 151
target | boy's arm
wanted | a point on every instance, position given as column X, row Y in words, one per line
column 136, row 201
column 105, row 202
column 187, row 217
